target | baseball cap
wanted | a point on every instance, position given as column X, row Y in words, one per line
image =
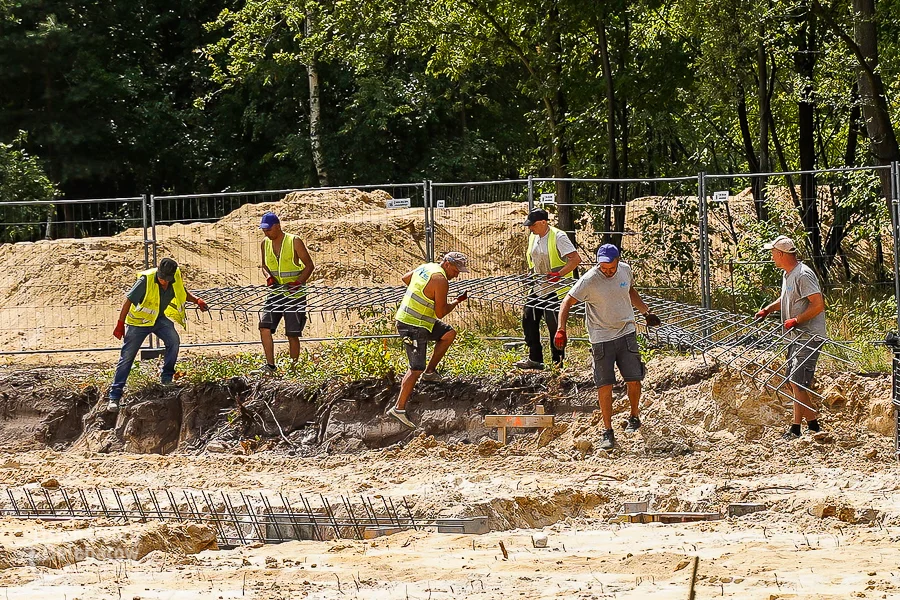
column 458, row 260
column 783, row 243
column 535, row 216
column 607, row 253
column 166, row 270
column 268, row 220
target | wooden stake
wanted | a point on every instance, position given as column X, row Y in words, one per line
column 691, row 594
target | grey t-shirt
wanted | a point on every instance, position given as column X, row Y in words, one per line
column 608, row 311
column 139, row 290
column 796, row 288
column 540, row 256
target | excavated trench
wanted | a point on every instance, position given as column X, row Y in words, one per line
column 40, row 409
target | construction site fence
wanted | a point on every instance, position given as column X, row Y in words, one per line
column 692, row 239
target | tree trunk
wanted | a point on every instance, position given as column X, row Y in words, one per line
column 881, row 132
column 614, row 192
column 557, row 116
column 842, row 213
column 759, row 183
column 315, row 117
column 804, row 64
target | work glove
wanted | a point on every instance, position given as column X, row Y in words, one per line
column 202, row 305
column 119, row 331
column 462, row 297
column 762, row 314
column 270, row 281
column 295, row 286
column 560, row 339
column 652, row 320
column 553, row 276
column 790, row 324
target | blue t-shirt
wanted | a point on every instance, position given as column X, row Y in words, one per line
column 166, row 295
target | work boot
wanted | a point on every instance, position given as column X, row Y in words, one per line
column 113, row 405
column 527, row 363
column 432, row 376
column 790, row 436
column 400, row 415
column 633, row 424
column 270, row 370
column 609, row 440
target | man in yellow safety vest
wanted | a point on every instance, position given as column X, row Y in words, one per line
column 418, row 322
column 287, row 266
column 157, row 298
column 552, row 258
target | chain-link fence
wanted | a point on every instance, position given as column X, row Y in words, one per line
column 63, row 268
column 67, row 264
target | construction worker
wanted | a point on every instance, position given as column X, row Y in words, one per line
column 551, row 256
column 287, row 265
column 418, row 322
column 609, row 294
column 157, row 298
column 803, row 313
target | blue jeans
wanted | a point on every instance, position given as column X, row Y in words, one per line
column 134, row 339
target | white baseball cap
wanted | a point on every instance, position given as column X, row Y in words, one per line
column 783, row 243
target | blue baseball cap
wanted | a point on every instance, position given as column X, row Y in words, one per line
column 268, row 220
column 607, row 253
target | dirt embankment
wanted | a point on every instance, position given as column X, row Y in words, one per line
column 688, row 406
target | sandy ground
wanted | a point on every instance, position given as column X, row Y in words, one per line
column 784, row 552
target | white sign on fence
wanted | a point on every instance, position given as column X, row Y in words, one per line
column 399, row 203
column 548, row 198
column 720, row 196
column 442, row 204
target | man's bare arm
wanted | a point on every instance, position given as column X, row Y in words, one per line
column 568, row 302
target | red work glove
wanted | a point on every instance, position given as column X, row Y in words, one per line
column 294, row 285
column 553, row 276
column 119, row 331
column 560, row 339
column 790, row 324
column 652, row 320
column 762, row 314
column 270, row 281
column 202, row 305
column 462, row 297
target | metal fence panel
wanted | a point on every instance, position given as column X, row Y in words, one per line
column 838, row 218
column 51, row 253
column 361, row 236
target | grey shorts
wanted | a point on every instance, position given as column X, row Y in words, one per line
column 800, row 366
column 292, row 310
column 623, row 352
column 415, row 341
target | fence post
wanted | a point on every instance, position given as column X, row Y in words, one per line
column 705, row 291
column 146, row 225
column 895, row 231
column 153, row 229
column 429, row 221
column 530, row 193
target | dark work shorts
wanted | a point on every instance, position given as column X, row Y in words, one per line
column 800, row 367
column 415, row 341
column 292, row 310
column 621, row 351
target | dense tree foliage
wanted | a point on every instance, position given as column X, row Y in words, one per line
column 125, row 97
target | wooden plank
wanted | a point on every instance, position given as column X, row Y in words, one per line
column 518, row 421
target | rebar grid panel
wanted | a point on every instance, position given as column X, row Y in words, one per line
column 238, row 518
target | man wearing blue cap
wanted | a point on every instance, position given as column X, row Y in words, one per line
column 287, row 266
column 609, row 294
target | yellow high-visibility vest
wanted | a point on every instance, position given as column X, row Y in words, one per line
column 416, row 308
column 144, row 313
column 285, row 267
column 557, row 261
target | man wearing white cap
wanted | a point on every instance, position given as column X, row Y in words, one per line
column 803, row 313
column 419, row 322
